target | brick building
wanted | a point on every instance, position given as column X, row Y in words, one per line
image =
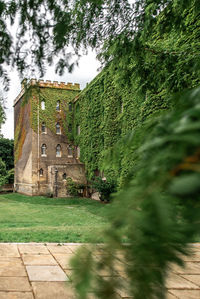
column 44, row 153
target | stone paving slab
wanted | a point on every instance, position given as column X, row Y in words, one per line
column 64, row 260
column 53, row 290
column 9, row 250
column 58, row 249
column 12, row 268
column 43, row 271
column 16, row 295
column 186, row 294
column 14, row 284
column 46, row 273
column 37, row 259
column 32, row 249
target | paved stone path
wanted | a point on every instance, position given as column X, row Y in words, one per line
column 42, row 271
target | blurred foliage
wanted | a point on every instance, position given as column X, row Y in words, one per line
column 3, row 173
column 157, row 214
column 6, row 152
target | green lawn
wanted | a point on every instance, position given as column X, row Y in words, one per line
column 41, row 219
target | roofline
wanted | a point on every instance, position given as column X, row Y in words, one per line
column 48, row 83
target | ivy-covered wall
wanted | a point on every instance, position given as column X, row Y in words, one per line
column 49, row 115
column 112, row 105
column 29, row 102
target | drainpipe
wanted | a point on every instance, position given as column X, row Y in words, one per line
column 38, row 144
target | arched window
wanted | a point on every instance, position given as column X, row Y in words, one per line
column 44, row 150
column 58, row 130
column 70, row 106
column 43, row 127
column 58, row 106
column 43, row 105
column 64, row 176
column 78, row 130
column 70, row 152
column 58, row 150
column 41, row 172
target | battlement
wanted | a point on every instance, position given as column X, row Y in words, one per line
column 55, row 84
column 48, row 84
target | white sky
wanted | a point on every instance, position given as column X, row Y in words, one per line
column 83, row 74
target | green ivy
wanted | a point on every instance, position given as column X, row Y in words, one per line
column 168, row 64
column 49, row 115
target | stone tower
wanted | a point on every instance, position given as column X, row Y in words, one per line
column 44, row 153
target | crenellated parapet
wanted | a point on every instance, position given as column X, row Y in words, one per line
column 46, row 84
column 55, row 84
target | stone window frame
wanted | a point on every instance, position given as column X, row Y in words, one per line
column 41, row 172
column 58, row 106
column 60, row 151
column 58, row 126
column 70, row 107
column 70, row 149
column 44, row 150
column 43, row 126
column 43, row 104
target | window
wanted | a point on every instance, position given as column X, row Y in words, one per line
column 70, row 153
column 122, row 107
column 70, row 128
column 43, row 105
column 78, row 152
column 70, row 106
column 43, row 127
column 58, row 130
column 58, row 106
column 41, row 172
column 77, row 107
column 64, row 176
column 78, row 130
column 58, row 150
column 44, row 150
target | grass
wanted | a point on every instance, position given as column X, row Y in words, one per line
column 41, row 219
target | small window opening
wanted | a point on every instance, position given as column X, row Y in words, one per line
column 78, row 129
column 41, row 172
column 58, row 130
column 64, row 176
column 70, row 153
column 58, row 150
column 43, row 105
column 58, row 106
column 122, row 107
column 43, row 127
column 44, row 150
column 70, row 128
column 70, row 106
column 77, row 108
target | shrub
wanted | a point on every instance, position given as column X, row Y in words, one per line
column 73, row 188
column 105, row 188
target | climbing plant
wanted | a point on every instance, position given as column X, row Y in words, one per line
column 117, row 102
